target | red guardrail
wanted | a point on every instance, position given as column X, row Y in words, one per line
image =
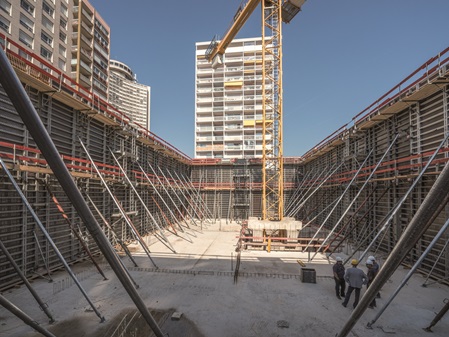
column 423, row 73
column 60, row 80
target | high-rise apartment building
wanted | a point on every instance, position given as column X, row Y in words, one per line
column 90, row 49
column 68, row 35
column 228, row 102
column 127, row 95
column 41, row 26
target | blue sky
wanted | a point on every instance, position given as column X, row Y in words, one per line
column 338, row 57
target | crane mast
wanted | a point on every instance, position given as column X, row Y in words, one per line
column 272, row 160
column 274, row 12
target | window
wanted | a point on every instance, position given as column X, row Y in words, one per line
column 26, row 22
column 47, row 23
column 48, row 9
column 25, row 39
column 63, row 23
column 27, row 6
column 63, row 37
column 5, row 6
column 61, row 64
column 4, row 24
column 46, row 53
column 46, row 38
column 2, row 42
column 64, row 9
column 62, row 50
column 25, row 55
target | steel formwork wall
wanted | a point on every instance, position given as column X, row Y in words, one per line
column 18, row 230
column 421, row 126
column 216, row 183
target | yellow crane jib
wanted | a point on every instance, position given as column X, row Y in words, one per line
column 273, row 13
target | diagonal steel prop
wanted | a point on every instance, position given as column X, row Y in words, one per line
column 74, row 231
column 341, row 197
column 174, row 218
column 304, row 192
column 44, row 260
column 197, row 197
column 296, row 192
column 297, row 208
column 187, row 193
column 49, row 239
column 202, row 201
column 23, row 316
column 114, row 234
column 410, row 273
column 187, row 200
column 119, row 206
column 432, row 205
column 122, row 244
column 301, row 194
column 357, row 195
column 435, row 263
column 167, row 193
column 347, row 232
column 167, row 242
column 402, row 200
column 179, row 199
column 42, row 305
column 24, row 107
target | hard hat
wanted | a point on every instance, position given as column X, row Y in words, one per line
column 354, row 262
column 372, row 258
column 339, row 259
column 369, row 262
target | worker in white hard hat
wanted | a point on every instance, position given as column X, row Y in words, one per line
column 339, row 277
column 376, row 267
column 371, row 275
column 356, row 278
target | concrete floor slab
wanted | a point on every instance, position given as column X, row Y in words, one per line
column 198, row 281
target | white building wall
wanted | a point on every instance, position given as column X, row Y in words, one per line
column 228, row 102
column 127, row 95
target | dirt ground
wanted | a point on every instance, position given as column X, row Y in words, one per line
column 268, row 298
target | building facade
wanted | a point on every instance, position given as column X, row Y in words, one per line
column 228, row 102
column 90, row 49
column 41, row 26
column 127, row 95
column 68, row 35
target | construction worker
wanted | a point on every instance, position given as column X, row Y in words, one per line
column 355, row 278
column 375, row 268
column 339, row 277
column 371, row 273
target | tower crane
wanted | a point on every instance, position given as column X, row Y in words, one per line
column 274, row 12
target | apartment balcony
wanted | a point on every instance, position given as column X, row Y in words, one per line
column 101, row 50
column 86, row 42
column 232, row 138
column 234, row 118
column 204, row 100
column 85, row 81
column 204, row 129
column 87, row 29
column 233, row 147
column 87, row 15
column 202, row 139
column 84, row 67
column 204, row 119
